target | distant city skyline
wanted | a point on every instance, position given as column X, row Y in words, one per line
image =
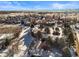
column 38, row 5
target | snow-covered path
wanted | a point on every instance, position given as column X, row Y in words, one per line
column 25, row 40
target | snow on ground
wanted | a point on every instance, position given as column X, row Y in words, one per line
column 4, row 53
column 56, row 53
column 71, row 49
column 26, row 40
column 22, row 48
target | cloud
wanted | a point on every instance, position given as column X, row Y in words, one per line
column 57, row 6
column 38, row 7
column 8, row 5
column 16, row 5
column 70, row 5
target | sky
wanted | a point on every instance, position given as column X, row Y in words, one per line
column 38, row 5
